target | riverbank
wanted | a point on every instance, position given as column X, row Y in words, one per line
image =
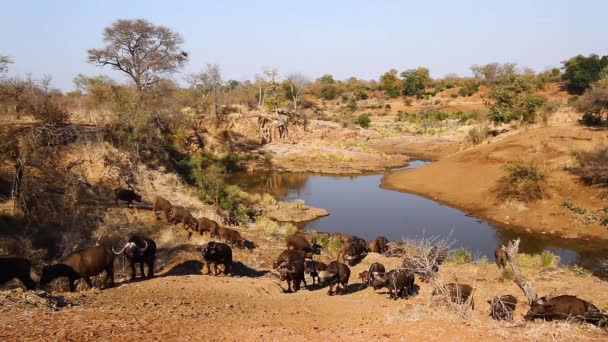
column 466, row 180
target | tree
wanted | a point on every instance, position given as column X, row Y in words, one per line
column 141, row 50
column 415, row 81
column 581, row 71
column 594, row 102
column 296, row 84
column 390, row 83
column 513, row 96
column 4, row 63
column 490, row 73
column 209, row 83
column 326, row 87
column 273, row 98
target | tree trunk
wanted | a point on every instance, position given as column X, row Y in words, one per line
column 295, row 97
column 520, row 280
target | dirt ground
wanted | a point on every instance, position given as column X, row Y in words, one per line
column 182, row 304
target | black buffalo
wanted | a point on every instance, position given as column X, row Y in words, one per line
column 502, row 307
column 399, row 282
column 11, row 268
column 139, row 250
column 293, row 273
column 336, row 274
column 313, row 268
column 127, row 195
column 215, row 253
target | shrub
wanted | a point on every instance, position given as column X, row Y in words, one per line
column 272, row 228
column 299, row 203
column 268, row 199
column 592, row 166
column 450, row 85
column 507, row 273
column 590, row 119
column 454, row 95
column 514, row 98
column 50, row 113
column 478, row 134
column 351, row 104
column 461, row 256
column 538, row 261
column 524, row 181
column 329, row 242
column 363, row 120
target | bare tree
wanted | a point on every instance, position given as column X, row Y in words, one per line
column 272, row 85
column 141, row 50
column 260, row 83
column 209, row 83
column 297, row 82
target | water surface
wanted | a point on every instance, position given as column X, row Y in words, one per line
column 358, row 206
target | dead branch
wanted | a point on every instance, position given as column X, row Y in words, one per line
column 521, row 281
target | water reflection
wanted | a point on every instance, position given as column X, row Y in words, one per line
column 360, row 207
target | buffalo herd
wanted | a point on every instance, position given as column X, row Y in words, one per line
column 292, row 265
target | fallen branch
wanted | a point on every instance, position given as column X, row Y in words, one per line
column 520, row 280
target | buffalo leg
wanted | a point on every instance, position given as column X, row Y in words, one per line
column 141, row 269
column 330, row 292
column 133, row 274
column 151, row 268
column 208, row 268
column 88, row 281
column 110, row 275
column 72, row 283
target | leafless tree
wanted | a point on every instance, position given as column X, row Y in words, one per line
column 209, row 83
column 141, row 50
column 297, row 82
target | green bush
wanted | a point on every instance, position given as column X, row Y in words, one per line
column 363, row 120
column 460, row 256
column 478, row 134
column 450, row 85
column 329, row 243
column 591, row 119
column 351, row 104
column 524, row 181
column 454, row 95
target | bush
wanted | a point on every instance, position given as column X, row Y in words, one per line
column 450, row 85
column 524, row 181
column 538, row 261
column 50, row 113
column 592, row 166
column 514, row 98
column 461, row 256
column 329, row 242
column 299, row 203
column 590, row 119
column 272, row 228
column 478, row 134
column 363, row 120
column 454, row 95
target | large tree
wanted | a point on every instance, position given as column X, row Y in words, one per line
column 296, row 84
column 415, row 81
column 141, row 50
column 581, row 71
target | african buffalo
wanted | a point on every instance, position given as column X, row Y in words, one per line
column 217, row 253
column 293, row 273
column 179, row 214
column 352, row 251
column 378, row 245
column 457, row 293
column 231, row 236
column 288, row 256
column 561, row 308
column 160, row 204
column 139, row 250
column 19, row 268
column 399, row 282
column 501, row 257
column 375, row 270
column 81, row 264
column 502, row 307
column 204, row 224
column 127, row 195
column 314, row 268
column 299, row 241
column 336, row 274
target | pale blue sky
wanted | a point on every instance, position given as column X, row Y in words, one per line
column 344, row 38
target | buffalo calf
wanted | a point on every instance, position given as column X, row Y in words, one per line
column 502, row 307
column 126, row 195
